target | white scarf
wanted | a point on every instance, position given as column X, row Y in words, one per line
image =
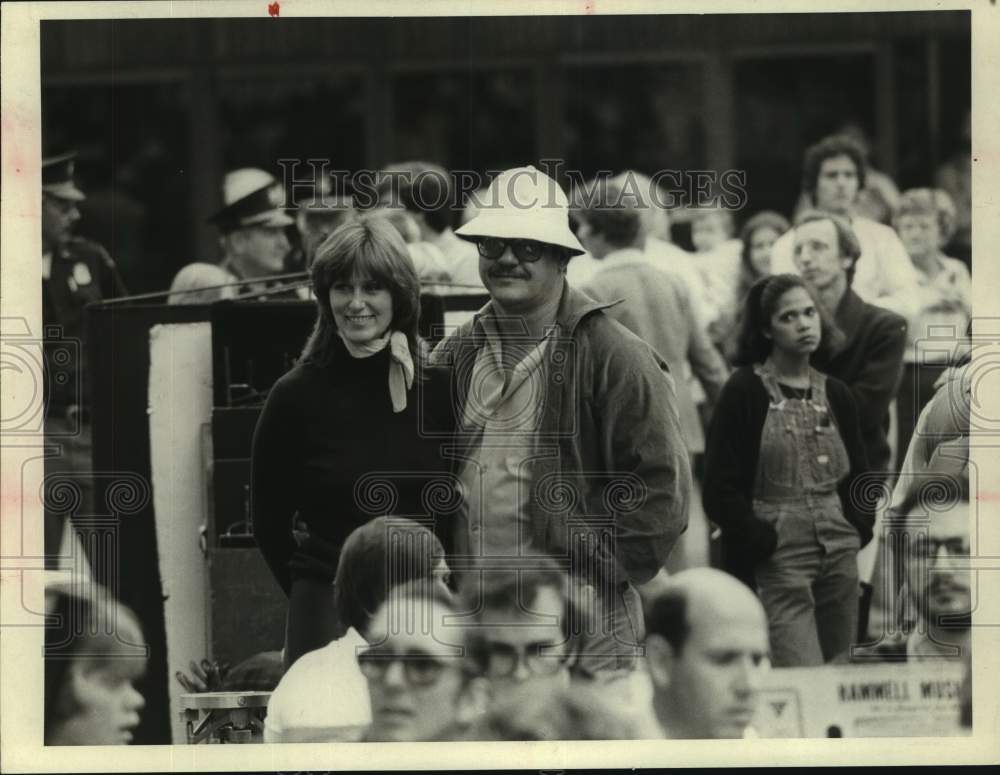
column 400, row 364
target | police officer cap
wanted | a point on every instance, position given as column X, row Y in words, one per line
column 57, row 177
column 252, row 197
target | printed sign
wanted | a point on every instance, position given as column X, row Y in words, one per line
column 888, row 700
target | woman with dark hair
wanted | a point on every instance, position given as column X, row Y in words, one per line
column 757, row 237
column 94, row 654
column 324, row 696
column 347, row 434
column 783, row 452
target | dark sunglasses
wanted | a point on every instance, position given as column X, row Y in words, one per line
column 503, row 659
column 419, row 668
column 525, row 250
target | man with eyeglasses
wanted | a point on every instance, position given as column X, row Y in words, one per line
column 935, row 541
column 524, row 629
column 568, row 438
column 706, row 652
column 422, row 683
column 75, row 272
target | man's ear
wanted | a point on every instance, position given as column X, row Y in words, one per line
column 83, row 681
column 659, row 660
column 473, row 700
column 846, row 262
column 236, row 241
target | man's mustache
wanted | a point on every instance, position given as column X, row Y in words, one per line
column 515, row 275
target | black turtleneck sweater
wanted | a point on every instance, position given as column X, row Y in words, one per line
column 329, row 450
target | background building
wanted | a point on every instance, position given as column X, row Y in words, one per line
column 160, row 108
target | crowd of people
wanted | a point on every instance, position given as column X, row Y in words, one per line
column 505, row 536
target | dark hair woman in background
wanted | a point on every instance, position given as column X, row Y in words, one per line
column 783, row 450
column 342, row 438
column 757, row 236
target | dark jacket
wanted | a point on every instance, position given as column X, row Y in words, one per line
column 870, row 363
column 616, row 455
column 731, row 456
column 82, row 273
column 329, row 450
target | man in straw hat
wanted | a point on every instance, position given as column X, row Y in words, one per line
column 568, row 435
column 254, row 242
column 75, row 272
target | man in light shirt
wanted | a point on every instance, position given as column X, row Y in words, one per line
column 654, row 240
column 425, row 191
column 833, row 173
column 658, row 308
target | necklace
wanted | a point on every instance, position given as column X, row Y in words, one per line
column 796, row 392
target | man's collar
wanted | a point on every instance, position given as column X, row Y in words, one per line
column 230, row 266
column 848, row 314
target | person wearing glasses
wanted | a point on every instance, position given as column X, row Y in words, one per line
column 530, row 636
column 423, row 683
column 935, row 538
column 345, row 435
column 525, row 630
column 323, row 697
column 561, row 412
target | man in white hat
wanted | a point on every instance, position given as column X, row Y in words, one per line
column 254, row 241
column 568, row 439
column 75, row 272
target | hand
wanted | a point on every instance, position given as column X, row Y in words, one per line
column 205, row 677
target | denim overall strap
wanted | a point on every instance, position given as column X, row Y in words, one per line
column 809, row 585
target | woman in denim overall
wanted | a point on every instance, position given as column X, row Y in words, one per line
column 809, row 586
column 783, row 503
